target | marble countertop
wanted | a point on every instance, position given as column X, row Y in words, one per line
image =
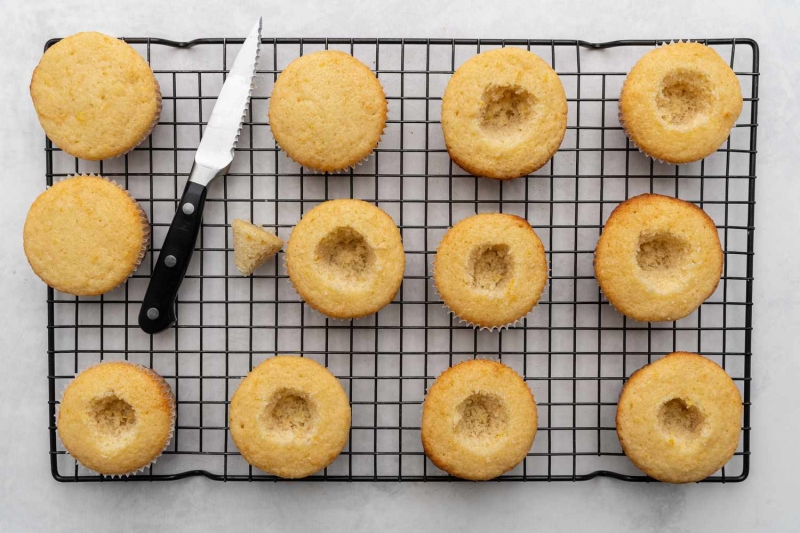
column 30, row 500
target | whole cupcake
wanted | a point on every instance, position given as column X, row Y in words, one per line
column 490, row 269
column 116, row 417
column 327, row 111
column 504, row 114
column 679, row 102
column 85, row 235
column 95, row 96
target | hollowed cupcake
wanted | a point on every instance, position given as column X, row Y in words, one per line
column 490, row 269
column 658, row 258
column 346, row 259
column 504, row 114
column 679, row 102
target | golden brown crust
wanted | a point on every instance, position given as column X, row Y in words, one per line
column 85, row 235
column 327, row 110
column 691, row 254
column 290, row 416
column 679, row 102
column 104, row 444
column 462, row 269
column 479, row 420
column 95, row 96
column 504, row 114
column 704, row 432
column 345, row 258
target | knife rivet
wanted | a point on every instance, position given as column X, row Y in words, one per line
column 188, row 208
column 170, row 261
column 152, row 313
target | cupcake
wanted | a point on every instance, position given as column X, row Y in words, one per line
column 346, row 259
column 252, row 246
column 490, row 269
column 95, row 96
column 658, row 258
column 679, row 102
column 504, row 114
column 290, row 416
column 679, row 419
column 85, row 235
column 478, row 420
column 327, row 111
column 116, row 417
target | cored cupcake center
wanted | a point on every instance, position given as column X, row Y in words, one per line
column 681, row 419
column 111, row 415
column 685, row 98
column 345, row 254
column 661, row 251
column 289, row 413
column 506, row 109
column 490, row 267
column 482, row 418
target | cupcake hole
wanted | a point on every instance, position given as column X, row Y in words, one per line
column 680, row 419
column 112, row 415
column 491, row 267
column 481, row 418
column 685, row 97
column 345, row 254
column 661, row 251
column 506, row 108
column 288, row 413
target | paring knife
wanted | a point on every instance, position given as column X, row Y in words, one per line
column 214, row 157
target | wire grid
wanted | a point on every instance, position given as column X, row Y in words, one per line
column 573, row 349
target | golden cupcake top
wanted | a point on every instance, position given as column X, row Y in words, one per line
column 346, row 259
column 504, row 114
column 327, row 110
column 679, row 418
column 658, row 258
column 290, row 416
column 679, row 102
column 479, row 420
column 85, row 235
column 490, row 269
column 116, row 417
column 95, row 96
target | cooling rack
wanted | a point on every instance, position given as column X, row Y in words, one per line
column 573, row 349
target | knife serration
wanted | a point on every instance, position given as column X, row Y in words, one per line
column 215, row 153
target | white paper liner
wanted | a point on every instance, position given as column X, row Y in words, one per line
column 146, row 228
column 173, row 416
column 513, row 324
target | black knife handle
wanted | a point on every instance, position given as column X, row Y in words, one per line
column 158, row 307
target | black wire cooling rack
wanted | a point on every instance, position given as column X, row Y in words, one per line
column 573, row 349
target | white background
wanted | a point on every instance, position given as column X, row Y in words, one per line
column 767, row 501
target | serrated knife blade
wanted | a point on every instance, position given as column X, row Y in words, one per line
column 222, row 133
column 214, row 157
